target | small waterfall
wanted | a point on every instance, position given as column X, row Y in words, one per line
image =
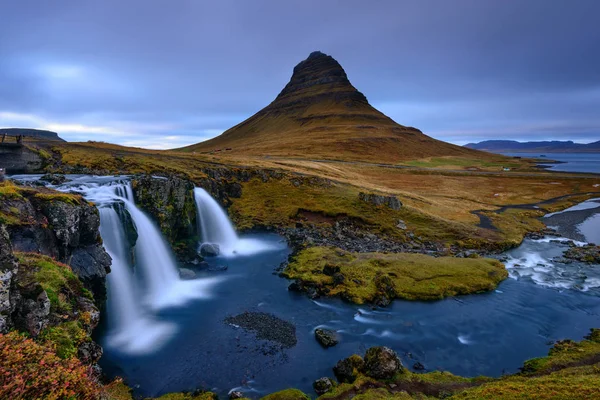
column 154, row 257
column 213, row 222
column 132, row 329
column 216, row 228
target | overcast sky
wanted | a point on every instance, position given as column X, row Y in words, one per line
column 163, row 74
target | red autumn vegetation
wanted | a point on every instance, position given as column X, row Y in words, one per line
column 29, row 370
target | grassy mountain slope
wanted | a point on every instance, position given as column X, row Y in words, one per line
column 319, row 114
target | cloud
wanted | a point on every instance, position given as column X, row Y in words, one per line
column 140, row 72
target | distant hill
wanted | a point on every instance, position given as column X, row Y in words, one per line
column 320, row 115
column 37, row 133
column 512, row 146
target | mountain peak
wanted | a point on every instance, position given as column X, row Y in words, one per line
column 317, row 74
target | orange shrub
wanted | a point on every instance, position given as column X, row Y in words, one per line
column 29, row 370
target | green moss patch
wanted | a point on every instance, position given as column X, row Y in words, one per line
column 288, row 394
column 65, row 338
column 362, row 277
column 57, row 279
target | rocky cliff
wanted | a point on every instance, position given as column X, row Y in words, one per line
column 61, row 226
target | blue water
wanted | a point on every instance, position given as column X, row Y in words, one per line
column 488, row 334
column 574, row 162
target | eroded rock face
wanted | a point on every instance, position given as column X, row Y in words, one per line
column 170, row 202
column 8, row 268
column 382, row 363
column 64, row 229
column 379, row 200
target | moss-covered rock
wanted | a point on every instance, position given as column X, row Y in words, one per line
column 382, row 363
column 379, row 277
column 288, row 394
column 348, row 369
column 60, row 225
column 170, row 202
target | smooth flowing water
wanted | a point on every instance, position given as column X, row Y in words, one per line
column 216, row 228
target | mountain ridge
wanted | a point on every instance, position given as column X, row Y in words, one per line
column 37, row 133
column 553, row 146
column 320, row 114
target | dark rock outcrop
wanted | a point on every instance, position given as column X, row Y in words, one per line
column 62, row 226
column 170, row 202
column 379, row 200
column 20, row 160
column 8, row 269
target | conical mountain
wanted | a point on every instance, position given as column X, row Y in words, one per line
column 319, row 114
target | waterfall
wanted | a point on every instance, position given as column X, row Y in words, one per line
column 213, row 223
column 154, row 258
column 215, row 227
column 132, row 329
column 133, row 298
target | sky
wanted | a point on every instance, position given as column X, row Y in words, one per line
column 163, row 74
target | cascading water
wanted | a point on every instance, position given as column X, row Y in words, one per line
column 213, row 222
column 131, row 328
column 216, row 228
column 155, row 284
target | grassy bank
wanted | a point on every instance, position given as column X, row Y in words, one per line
column 364, row 277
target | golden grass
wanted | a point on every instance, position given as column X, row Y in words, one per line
column 438, row 202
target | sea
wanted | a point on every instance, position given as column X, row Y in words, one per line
column 569, row 162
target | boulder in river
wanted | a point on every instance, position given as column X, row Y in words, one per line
column 326, row 337
column 210, row 250
column 185, row 273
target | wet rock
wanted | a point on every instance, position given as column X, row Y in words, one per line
column 418, row 366
column 295, row 287
column 89, row 352
column 312, row 292
column 236, row 395
column 185, row 273
column 589, row 254
column 322, row 385
column 54, row 179
column 210, row 250
column 382, row 363
column 170, row 202
column 326, row 337
column 347, row 370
